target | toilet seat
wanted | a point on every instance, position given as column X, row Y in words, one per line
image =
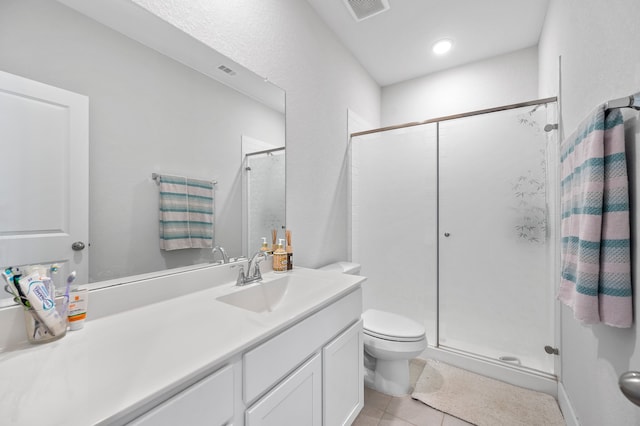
column 392, row 338
column 391, row 327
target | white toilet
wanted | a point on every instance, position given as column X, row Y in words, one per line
column 390, row 341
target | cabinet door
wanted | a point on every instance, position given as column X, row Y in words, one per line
column 343, row 380
column 295, row 401
column 208, row 402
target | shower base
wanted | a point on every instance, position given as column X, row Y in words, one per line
column 496, row 369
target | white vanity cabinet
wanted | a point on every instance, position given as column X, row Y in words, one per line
column 197, row 358
column 316, row 367
column 308, row 374
column 207, row 402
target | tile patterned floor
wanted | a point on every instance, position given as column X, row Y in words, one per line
column 384, row 410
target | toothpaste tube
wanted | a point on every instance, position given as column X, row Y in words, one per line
column 41, row 302
column 11, row 279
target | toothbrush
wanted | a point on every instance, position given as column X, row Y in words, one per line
column 71, row 278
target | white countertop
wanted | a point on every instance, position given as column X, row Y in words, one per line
column 119, row 363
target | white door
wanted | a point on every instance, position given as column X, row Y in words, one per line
column 44, row 176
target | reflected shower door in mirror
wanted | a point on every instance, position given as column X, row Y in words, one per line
column 264, row 193
column 177, row 112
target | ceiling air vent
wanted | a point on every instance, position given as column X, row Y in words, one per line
column 227, row 70
column 363, row 9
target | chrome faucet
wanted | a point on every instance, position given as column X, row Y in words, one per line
column 223, row 252
column 253, row 270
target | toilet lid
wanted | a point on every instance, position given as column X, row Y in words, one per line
column 389, row 326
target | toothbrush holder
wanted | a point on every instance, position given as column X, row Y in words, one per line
column 37, row 331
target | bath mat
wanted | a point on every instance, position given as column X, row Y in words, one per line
column 483, row 401
column 416, row 367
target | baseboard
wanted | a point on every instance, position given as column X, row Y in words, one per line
column 566, row 407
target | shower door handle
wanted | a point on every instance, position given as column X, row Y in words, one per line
column 629, row 383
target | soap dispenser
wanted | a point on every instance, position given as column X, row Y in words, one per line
column 265, row 247
column 280, row 258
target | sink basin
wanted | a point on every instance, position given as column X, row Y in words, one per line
column 271, row 295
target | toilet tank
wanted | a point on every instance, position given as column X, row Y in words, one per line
column 343, row 267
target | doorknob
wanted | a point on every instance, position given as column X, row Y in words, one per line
column 629, row 383
column 77, row 246
column 446, row 234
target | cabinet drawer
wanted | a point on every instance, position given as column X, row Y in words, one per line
column 265, row 365
column 207, row 402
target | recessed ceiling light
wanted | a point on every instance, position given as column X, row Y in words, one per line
column 443, row 46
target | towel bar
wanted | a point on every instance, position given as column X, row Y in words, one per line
column 156, row 177
column 632, row 101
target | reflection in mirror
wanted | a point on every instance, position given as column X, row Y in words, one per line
column 148, row 113
column 264, row 192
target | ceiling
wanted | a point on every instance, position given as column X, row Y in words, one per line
column 395, row 45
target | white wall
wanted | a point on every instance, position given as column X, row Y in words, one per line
column 285, row 41
column 598, row 42
column 501, row 80
column 148, row 114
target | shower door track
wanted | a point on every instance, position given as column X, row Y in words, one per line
column 455, row 116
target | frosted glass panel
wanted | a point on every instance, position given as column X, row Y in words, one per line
column 266, row 197
column 394, row 177
column 495, row 295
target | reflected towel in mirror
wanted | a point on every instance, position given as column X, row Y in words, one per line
column 186, row 213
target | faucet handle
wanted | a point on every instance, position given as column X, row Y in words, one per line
column 241, row 277
column 257, row 275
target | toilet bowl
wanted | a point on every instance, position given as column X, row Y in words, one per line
column 390, row 341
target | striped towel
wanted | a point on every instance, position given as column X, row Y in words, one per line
column 186, row 213
column 596, row 261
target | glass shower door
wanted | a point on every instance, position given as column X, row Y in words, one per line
column 265, row 196
column 394, row 213
column 495, row 296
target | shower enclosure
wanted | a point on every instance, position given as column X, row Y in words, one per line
column 450, row 222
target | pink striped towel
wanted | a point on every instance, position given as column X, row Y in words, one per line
column 596, row 260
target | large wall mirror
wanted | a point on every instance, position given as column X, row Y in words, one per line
column 159, row 102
